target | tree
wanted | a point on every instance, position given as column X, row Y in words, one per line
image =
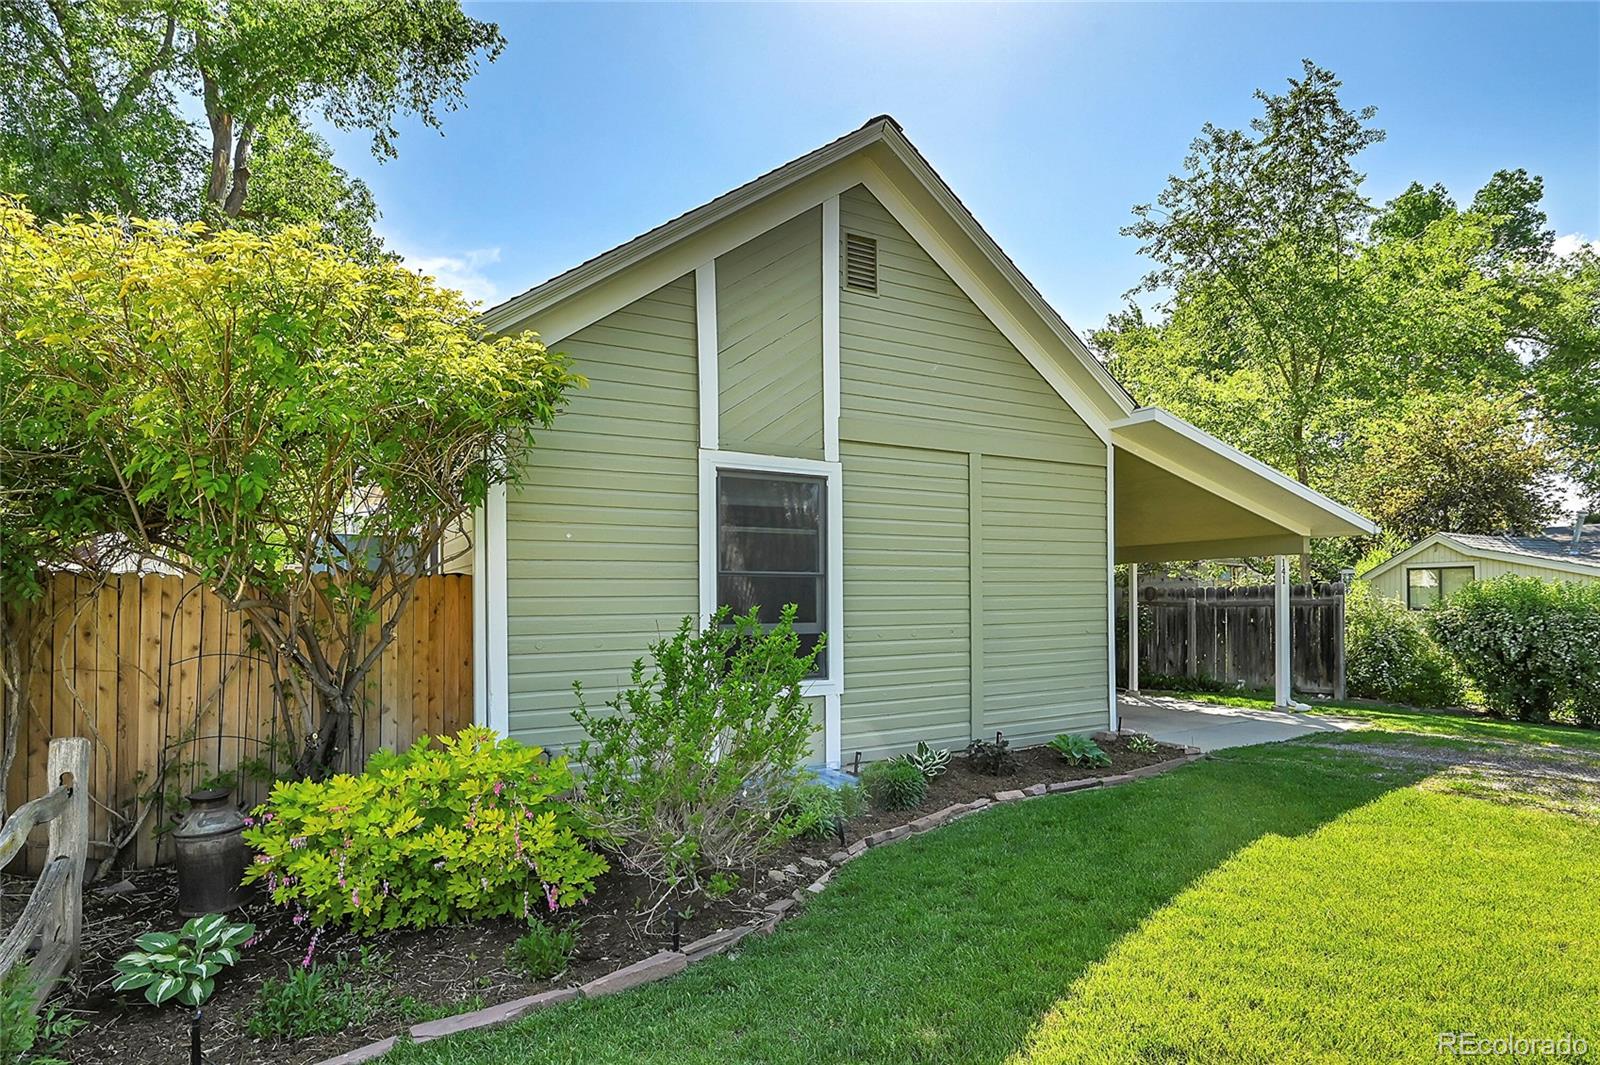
column 1472, row 463
column 1258, row 235
column 292, row 426
column 1408, row 215
column 96, row 94
column 1511, row 198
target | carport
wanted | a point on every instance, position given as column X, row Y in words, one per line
column 1182, row 495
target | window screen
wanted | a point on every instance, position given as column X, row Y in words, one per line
column 772, row 549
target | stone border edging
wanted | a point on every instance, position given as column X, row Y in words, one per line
column 665, row 963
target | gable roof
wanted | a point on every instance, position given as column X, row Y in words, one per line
column 1553, row 549
column 879, row 156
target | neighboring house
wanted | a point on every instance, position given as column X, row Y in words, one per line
column 830, row 387
column 1431, row 569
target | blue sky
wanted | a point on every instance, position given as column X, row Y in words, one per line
column 601, row 121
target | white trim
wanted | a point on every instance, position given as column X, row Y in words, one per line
column 1282, row 635
column 1111, row 587
column 830, row 329
column 1516, row 558
column 710, row 463
column 497, row 616
column 480, row 620
column 1133, row 628
column 1195, row 435
column 705, row 331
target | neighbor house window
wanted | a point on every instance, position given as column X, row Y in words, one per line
column 772, row 549
column 1427, row 585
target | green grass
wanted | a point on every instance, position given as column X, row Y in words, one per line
column 1389, row 717
column 1295, row 901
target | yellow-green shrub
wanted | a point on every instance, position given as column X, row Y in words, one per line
column 471, row 827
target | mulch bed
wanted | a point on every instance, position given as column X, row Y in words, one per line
column 430, row 973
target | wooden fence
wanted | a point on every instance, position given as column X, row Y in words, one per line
column 51, row 922
column 158, row 673
column 1226, row 634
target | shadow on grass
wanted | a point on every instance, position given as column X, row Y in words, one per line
column 950, row 947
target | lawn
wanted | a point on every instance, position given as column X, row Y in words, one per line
column 1389, row 717
column 1302, row 901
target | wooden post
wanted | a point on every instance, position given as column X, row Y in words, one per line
column 1281, row 635
column 1191, row 640
column 69, row 839
column 1133, row 628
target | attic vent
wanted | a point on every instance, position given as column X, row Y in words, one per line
column 861, row 263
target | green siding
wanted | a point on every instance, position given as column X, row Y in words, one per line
column 1020, row 551
column 1044, row 598
column 601, row 537
column 906, row 651
column 921, row 352
column 769, row 333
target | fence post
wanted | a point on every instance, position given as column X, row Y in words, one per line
column 1338, row 590
column 69, row 838
column 1191, row 660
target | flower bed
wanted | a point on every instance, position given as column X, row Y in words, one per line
column 422, row 975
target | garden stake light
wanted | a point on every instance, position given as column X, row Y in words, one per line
column 677, row 928
column 195, row 1057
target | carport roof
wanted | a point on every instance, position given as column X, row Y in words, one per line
column 1183, row 494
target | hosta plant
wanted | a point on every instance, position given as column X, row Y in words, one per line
column 1139, row 743
column 182, row 965
column 470, row 827
column 1080, row 750
column 931, row 762
column 895, row 784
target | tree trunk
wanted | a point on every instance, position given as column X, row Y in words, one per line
column 221, row 123
column 241, row 171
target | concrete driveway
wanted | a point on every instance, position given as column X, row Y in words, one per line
column 1210, row 727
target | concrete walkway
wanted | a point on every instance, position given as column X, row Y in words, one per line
column 1210, row 727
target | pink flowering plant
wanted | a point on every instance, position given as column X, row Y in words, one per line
column 469, row 827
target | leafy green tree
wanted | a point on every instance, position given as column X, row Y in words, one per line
column 1511, row 199
column 1469, row 463
column 1408, row 215
column 294, row 427
column 95, row 95
column 1257, row 236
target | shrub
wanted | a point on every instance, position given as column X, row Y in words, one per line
column 542, row 952
column 1532, row 647
column 1173, row 682
column 931, row 762
column 692, row 769
column 182, row 964
column 1389, row 654
column 29, row 1037
column 895, row 784
column 816, row 809
column 312, row 1000
column 470, row 828
column 991, row 756
column 1079, row 750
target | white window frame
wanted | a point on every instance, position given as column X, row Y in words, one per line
column 1405, row 585
column 714, row 462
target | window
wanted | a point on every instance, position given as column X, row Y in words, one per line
column 1427, row 585
column 772, row 549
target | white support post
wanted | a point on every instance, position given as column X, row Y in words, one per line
column 1281, row 634
column 1133, row 628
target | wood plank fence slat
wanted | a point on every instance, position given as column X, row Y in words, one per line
column 131, row 663
column 1226, row 634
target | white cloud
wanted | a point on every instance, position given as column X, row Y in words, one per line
column 1567, row 243
column 463, row 271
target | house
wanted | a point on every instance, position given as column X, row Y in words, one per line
column 1431, row 569
column 830, row 387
